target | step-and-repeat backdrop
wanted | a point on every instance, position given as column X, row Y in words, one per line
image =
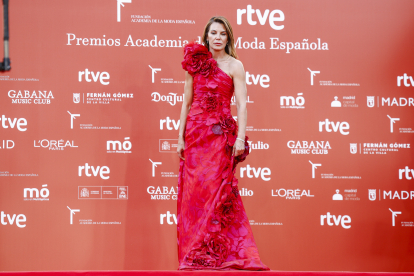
column 90, row 116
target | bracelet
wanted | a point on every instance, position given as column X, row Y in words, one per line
column 240, row 139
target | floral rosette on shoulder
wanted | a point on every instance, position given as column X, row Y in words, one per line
column 198, row 59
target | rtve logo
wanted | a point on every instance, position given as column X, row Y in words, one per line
column 405, row 78
column 274, row 16
column 335, row 126
column 407, row 172
column 262, row 172
column 168, row 216
column 101, row 170
column 19, row 219
column 101, row 76
column 9, row 122
column 263, row 79
column 336, row 220
column 168, row 124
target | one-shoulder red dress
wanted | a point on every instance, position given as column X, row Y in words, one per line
column 212, row 228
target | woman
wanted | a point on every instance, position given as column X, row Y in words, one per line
column 213, row 229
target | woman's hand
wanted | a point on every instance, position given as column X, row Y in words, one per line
column 238, row 148
column 180, row 147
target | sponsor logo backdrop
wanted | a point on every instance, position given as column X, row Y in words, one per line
column 90, row 112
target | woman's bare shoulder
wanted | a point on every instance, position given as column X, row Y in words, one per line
column 236, row 67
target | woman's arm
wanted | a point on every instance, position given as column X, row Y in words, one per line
column 187, row 101
column 240, row 91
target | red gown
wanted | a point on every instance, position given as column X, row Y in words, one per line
column 213, row 230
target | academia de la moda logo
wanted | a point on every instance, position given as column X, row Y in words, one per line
column 30, row 97
column 309, row 147
column 395, row 219
column 397, row 121
column 324, row 175
column 390, row 195
column 54, row 144
column 291, row 194
column 331, row 83
column 162, row 78
column 162, row 192
column 35, row 194
column 120, row 3
column 292, row 102
column 88, row 221
column 145, row 18
column 378, row 148
column 80, row 125
column 119, row 146
column 155, row 164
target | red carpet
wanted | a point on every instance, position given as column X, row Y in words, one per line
column 216, row 273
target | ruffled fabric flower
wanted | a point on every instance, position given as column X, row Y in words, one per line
column 210, row 102
column 201, row 258
column 228, row 124
column 209, row 67
column 218, row 245
column 227, row 207
column 195, row 58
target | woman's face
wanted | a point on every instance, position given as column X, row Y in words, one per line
column 217, row 36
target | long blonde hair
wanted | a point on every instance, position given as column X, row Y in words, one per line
column 230, row 50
